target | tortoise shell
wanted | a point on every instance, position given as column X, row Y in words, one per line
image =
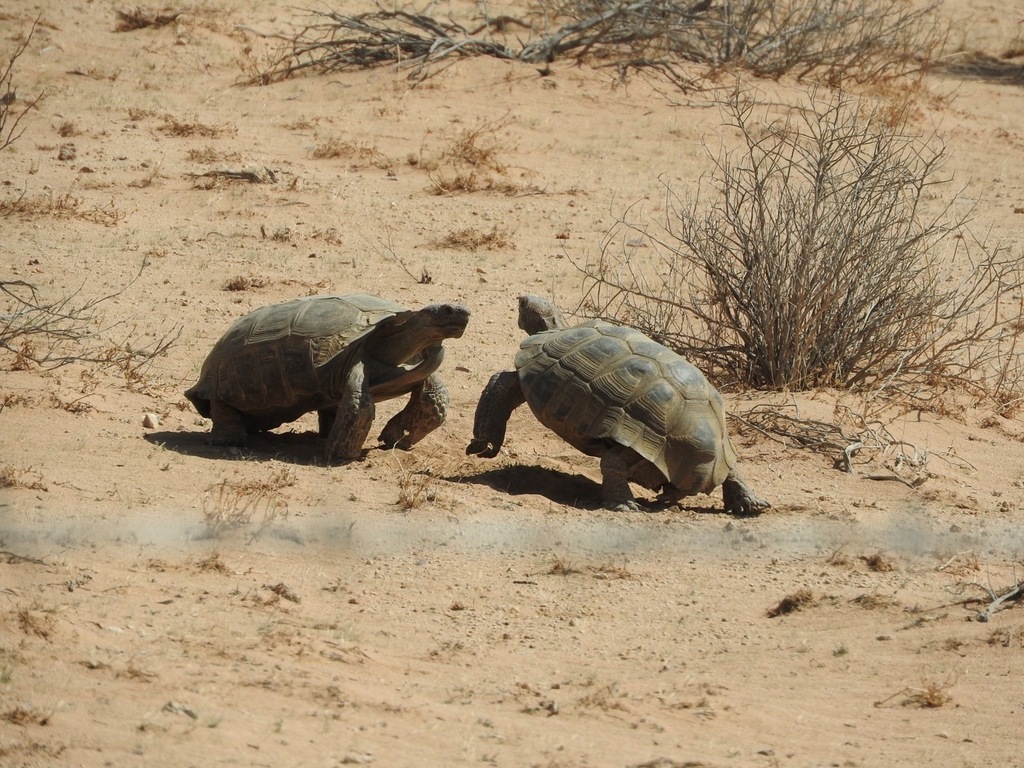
column 596, row 382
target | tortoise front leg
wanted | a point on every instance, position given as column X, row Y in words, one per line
column 739, row 499
column 425, row 412
column 352, row 418
column 502, row 395
column 228, row 426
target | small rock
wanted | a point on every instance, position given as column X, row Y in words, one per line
column 150, row 421
column 67, row 152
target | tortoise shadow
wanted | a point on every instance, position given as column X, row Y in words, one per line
column 567, row 489
column 530, row 479
column 302, row 448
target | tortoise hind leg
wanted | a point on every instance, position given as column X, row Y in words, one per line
column 228, row 424
column 425, row 412
column 615, row 467
column 502, row 395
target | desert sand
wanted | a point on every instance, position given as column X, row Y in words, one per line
column 423, row 608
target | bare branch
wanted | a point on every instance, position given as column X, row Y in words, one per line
column 11, row 114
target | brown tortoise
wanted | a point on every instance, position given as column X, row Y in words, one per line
column 337, row 355
column 612, row 392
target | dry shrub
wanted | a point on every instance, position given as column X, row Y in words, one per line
column 232, row 504
column 797, row 601
column 833, row 41
column 813, row 257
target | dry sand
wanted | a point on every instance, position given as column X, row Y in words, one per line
column 422, row 608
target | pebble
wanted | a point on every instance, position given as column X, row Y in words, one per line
column 150, row 421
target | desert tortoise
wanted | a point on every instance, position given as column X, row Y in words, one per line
column 612, row 392
column 337, row 355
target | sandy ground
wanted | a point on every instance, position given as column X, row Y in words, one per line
column 422, row 608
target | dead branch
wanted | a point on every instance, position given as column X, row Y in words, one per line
column 1015, row 593
column 10, row 114
column 52, row 334
column 861, row 40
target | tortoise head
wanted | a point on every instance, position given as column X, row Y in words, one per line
column 405, row 335
column 537, row 314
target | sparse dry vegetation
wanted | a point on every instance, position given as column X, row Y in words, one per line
column 813, row 257
column 683, row 42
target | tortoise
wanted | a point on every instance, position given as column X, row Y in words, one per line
column 336, row 355
column 610, row 391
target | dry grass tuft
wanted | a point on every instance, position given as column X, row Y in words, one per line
column 172, row 126
column 244, row 283
column 35, row 623
column 932, row 696
column 871, row 601
column 65, row 206
column 136, row 18
column 19, row 715
column 470, row 239
column 358, row 155
column 469, row 162
column 880, row 563
column 416, row 489
column 797, row 601
column 560, row 566
column 29, row 479
column 209, row 155
column 232, row 504
column 214, row 563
